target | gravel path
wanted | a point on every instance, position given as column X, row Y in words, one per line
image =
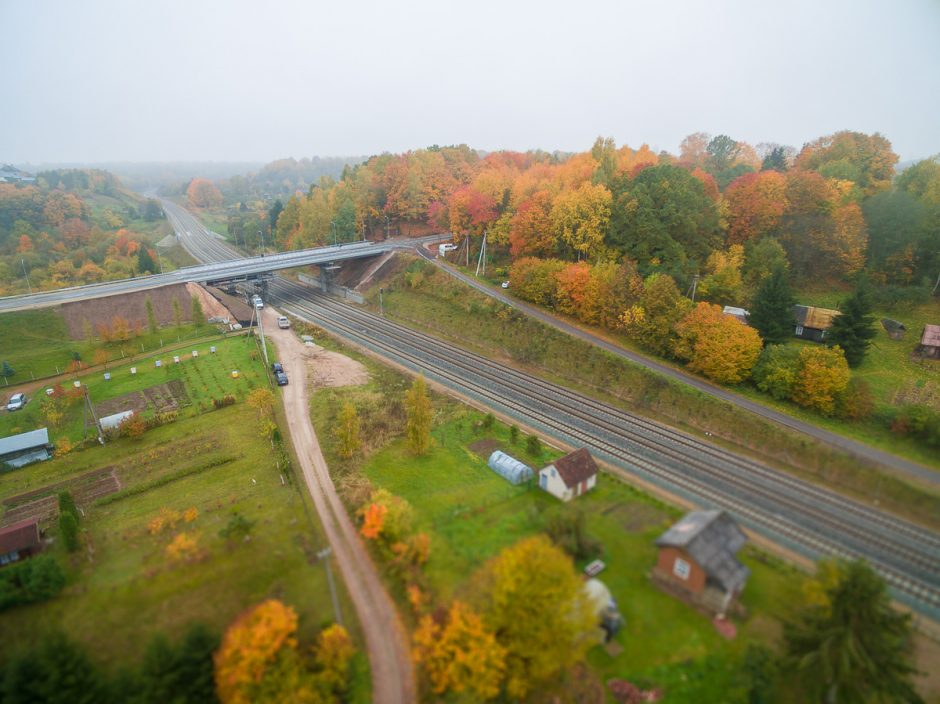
column 386, row 639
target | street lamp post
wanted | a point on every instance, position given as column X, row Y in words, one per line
column 28, row 286
column 333, row 226
column 261, row 232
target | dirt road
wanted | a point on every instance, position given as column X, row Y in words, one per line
column 386, row 640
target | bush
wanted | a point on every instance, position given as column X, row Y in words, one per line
column 919, row 422
column 533, row 446
column 488, row 421
column 856, row 402
column 227, row 400
column 68, row 529
column 67, row 505
column 567, row 530
column 36, row 579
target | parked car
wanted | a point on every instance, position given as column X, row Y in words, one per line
column 16, row 402
column 277, row 368
column 281, row 378
column 256, row 299
column 505, row 284
column 283, row 323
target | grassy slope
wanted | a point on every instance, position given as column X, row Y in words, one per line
column 205, row 377
column 37, row 342
column 470, row 514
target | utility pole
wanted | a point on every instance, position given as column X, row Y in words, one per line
column 89, row 409
column 386, row 226
column 324, row 556
column 381, row 304
column 28, row 286
column 264, row 344
column 481, row 260
column 333, row 225
column 694, row 286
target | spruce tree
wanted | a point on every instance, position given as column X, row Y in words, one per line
column 145, row 262
column 854, row 328
column 6, row 370
column 198, row 316
column 772, row 311
column 151, row 318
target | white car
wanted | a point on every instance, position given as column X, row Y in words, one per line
column 505, row 284
column 259, row 304
column 282, row 322
column 16, row 402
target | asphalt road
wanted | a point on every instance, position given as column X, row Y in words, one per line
column 898, row 465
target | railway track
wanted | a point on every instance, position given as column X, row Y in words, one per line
column 804, row 517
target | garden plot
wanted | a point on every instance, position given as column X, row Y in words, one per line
column 162, row 398
column 42, row 503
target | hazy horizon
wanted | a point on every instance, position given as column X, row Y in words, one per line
column 222, row 82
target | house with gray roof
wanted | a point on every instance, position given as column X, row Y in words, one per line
column 697, row 558
column 19, row 450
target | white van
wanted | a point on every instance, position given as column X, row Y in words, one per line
column 282, row 322
column 256, row 299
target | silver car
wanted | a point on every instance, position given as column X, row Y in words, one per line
column 16, row 402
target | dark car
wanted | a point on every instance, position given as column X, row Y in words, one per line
column 281, row 378
column 277, row 368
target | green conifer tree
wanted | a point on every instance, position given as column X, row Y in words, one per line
column 151, row 317
column 854, row 329
column 772, row 310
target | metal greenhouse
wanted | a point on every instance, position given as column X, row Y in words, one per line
column 511, row 469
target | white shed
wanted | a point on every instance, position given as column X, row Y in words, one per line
column 569, row 476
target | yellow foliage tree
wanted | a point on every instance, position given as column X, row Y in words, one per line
column 347, row 431
column 262, row 400
column 721, row 347
column 183, row 548
column 418, row 426
column 250, row 649
column 460, row 655
column 534, row 602
column 580, row 217
column 823, row 374
column 333, row 651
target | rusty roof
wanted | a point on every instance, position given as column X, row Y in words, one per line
column 813, row 317
column 576, row 467
column 931, row 336
column 20, row 536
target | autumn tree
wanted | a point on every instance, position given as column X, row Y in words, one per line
column 722, row 283
column 333, row 653
column 145, row 262
column 866, row 160
column 533, row 601
column 822, row 375
column 177, row 313
column 580, row 218
column 772, row 309
column 531, row 232
column 535, row 279
column 202, row 193
column 250, row 650
column 851, row 645
column 761, row 258
column 386, row 518
column 151, row 317
column 197, row 314
column 853, row 329
column 653, row 319
column 458, row 654
column 755, row 203
column 347, row 431
column 262, row 400
column 418, row 425
column 717, row 345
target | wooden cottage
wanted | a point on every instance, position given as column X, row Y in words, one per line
column 812, row 323
column 19, row 540
column 929, row 346
column 697, row 560
column 569, row 476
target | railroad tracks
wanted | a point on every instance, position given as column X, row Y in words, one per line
column 802, row 516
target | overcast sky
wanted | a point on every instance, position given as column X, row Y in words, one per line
column 229, row 81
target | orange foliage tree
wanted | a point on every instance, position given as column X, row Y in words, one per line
column 755, row 205
column 460, row 654
column 203, row 194
column 721, row 347
column 373, row 518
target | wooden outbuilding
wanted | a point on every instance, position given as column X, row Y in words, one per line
column 697, row 560
column 812, row 323
column 929, row 346
column 569, row 476
column 19, row 541
column 895, row 328
column 19, row 450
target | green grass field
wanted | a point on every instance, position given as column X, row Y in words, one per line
column 36, row 343
column 205, row 378
column 123, row 588
column 470, row 514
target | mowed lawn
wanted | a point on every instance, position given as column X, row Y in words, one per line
column 205, row 377
column 471, row 513
column 123, row 588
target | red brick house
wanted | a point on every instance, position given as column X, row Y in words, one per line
column 19, row 540
column 697, row 559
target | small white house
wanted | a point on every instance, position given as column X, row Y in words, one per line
column 569, row 476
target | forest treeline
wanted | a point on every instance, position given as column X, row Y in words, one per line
column 834, row 206
column 72, row 227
